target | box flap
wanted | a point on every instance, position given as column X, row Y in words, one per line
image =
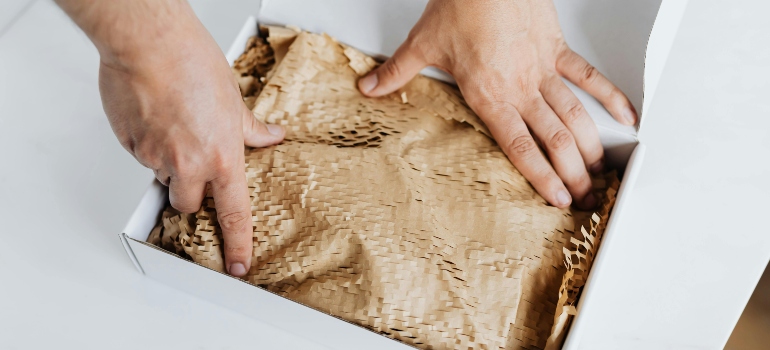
column 612, row 35
column 658, row 47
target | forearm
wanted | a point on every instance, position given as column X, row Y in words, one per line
column 131, row 32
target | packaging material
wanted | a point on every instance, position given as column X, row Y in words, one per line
column 610, row 35
column 400, row 214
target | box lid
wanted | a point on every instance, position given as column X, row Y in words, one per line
column 612, row 35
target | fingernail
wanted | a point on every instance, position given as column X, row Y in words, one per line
column 276, row 130
column 597, row 167
column 237, row 269
column 563, row 198
column 368, row 83
column 589, row 202
column 630, row 115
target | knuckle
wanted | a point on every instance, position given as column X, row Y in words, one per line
column 560, row 140
column 477, row 98
column 530, row 105
column 187, row 168
column 128, row 143
column 521, row 147
column 162, row 178
column 589, row 73
column 177, row 156
column 488, row 98
column 574, row 113
column 184, row 170
column 144, row 153
column 222, row 164
column 236, row 250
column 392, row 68
column 234, row 222
column 527, row 85
column 490, row 105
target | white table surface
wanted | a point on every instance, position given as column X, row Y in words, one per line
column 694, row 239
column 67, row 187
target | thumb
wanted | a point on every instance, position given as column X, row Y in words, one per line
column 394, row 73
column 258, row 134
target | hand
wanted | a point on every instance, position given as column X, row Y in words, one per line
column 508, row 58
column 175, row 105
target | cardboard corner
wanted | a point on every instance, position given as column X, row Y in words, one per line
column 124, row 240
column 595, row 278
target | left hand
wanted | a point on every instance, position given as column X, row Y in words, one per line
column 174, row 104
column 508, row 58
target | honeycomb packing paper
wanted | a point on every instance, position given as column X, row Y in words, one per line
column 400, row 213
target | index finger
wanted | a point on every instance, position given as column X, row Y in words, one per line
column 231, row 198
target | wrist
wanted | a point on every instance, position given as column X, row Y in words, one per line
column 132, row 33
column 153, row 45
column 128, row 52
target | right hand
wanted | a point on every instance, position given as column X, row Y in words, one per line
column 508, row 58
column 176, row 107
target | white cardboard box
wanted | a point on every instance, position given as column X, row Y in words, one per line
column 612, row 35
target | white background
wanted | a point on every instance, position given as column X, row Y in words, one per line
column 694, row 239
column 67, row 187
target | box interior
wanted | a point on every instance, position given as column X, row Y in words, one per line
column 621, row 146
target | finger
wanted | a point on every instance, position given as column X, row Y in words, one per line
column 511, row 133
column 258, row 134
column 562, row 150
column 186, row 195
column 571, row 112
column 394, row 73
column 163, row 177
column 577, row 70
column 232, row 202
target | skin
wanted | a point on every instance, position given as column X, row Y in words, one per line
column 508, row 58
column 174, row 104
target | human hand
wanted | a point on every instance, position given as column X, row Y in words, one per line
column 175, row 105
column 508, row 58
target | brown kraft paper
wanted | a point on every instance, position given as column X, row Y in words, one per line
column 400, row 213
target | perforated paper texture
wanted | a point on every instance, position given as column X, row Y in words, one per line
column 400, row 214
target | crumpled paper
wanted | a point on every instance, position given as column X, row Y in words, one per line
column 400, row 214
